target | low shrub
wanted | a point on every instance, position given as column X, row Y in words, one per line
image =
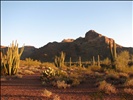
column 107, row 88
column 28, row 72
column 62, row 84
column 129, row 83
column 46, row 93
column 128, row 91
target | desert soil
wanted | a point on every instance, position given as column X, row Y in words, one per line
column 29, row 87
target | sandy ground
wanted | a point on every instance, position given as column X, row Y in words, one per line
column 29, row 87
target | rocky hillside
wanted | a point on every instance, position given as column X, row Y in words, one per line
column 92, row 44
column 28, row 50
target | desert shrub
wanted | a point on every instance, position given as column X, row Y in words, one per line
column 75, row 82
column 30, row 62
column 95, row 68
column 112, row 74
column 56, row 97
column 106, row 61
column 47, row 64
column 107, row 88
column 128, row 91
column 62, row 78
column 46, row 93
column 122, row 60
column 27, row 72
column 48, row 74
column 18, row 76
column 129, row 82
column 126, row 70
column 62, row 84
column 116, row 78
column 121, row 74
column 98, row 75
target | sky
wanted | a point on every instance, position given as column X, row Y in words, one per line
column 37, row 23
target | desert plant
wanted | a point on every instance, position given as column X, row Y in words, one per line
column 62, row 84
column 28, row 72
column 122, row 60
column 98, row 60
column 56, row 97
column 46, row 93
column 128, row 91
column 106, row 61
column 48, row 74
column 10, row 61
column 80, row 64
column 30, row 62
column 107, row 88
column 113, row 54
column 95, row 68
column 59, row 61
column 93, row 61
column 70, row 62
column 129, row 82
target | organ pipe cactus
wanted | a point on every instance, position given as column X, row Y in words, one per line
column 59, row 61
column 10, row 61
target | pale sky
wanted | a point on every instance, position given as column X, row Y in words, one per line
column 38, row 22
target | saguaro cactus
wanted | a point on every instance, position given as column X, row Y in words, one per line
column 80, row 64
column 70, row 62
column 113, row 53
column 98, row 60
column 93, row 61
column 11, row 60
column 59, row 61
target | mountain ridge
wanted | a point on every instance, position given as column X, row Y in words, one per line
column 92, row 44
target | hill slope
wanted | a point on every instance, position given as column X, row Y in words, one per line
column 92, row 44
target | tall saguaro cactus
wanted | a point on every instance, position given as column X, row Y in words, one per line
column 98, row 60
column 70, row 62
column 80, row 64
column 10, row 61
column 113, row 53
column 93, row 61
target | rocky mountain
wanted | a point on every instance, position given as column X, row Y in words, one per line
column 28, row 50
column 92, row 44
